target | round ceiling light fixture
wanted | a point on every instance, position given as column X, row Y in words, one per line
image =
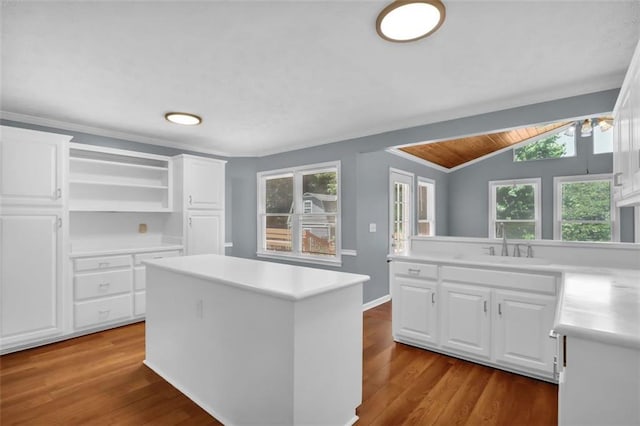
column 409, row 20
column 183, row 118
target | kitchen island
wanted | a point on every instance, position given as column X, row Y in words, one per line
column 256, row 342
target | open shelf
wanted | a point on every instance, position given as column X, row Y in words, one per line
column 106, row 179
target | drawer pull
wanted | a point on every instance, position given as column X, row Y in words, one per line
column 433, row 298
column 485, row 306
column 104, row 286
column 103, row 265
column 499, row 308
column 104, row 313
column 157, row 257
column 414, row 271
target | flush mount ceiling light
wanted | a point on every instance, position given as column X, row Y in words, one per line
column 183, row 118
column 409, row 20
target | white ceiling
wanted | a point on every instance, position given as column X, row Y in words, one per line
column 270, row 76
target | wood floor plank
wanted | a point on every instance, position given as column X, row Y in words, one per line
column 99, row 379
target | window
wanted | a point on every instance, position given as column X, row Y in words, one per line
column 426, row 207
column 299, row 213
column 557, row 145
column 514, row 205
column 602, row 140
column 583, row 208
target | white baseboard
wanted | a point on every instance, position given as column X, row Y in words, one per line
column 377, row 302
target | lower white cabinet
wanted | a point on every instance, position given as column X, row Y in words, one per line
column 466, row 322
column 496, row 317
column 205, row 232
column 30, row 277
column 521, row 329
column 103, row 310
column 415, row 318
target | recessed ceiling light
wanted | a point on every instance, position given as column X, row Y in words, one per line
column 408, row 20
column 183, row 118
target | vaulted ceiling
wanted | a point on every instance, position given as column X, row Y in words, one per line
column 271, row 76
column 455, row 152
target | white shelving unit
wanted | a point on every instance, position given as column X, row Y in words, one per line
column 107, row 179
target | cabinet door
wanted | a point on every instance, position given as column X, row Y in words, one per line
column 204, row 184
column 414, row 309
column 29, row 277
column 465, row 319
column 205, row 233
column 30, row 168
column 521, row 329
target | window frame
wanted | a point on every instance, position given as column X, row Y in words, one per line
column 557, row 203
column 296, row 254
column 537, row 185
column 431, row 206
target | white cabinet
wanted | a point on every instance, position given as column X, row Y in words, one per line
column 521, row 329
column 200, row 185
column 30, row 276
column 106, row 179
column 626, row 143
column 203, row 183
column 466, row 324
column 492, row 316
column 31, row 167
column 205, row 232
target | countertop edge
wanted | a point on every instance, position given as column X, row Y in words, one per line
column 108, row 252
column 357, row 279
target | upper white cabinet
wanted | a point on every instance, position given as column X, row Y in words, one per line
column 31, row 167
column 105, row 179
column 626, row 144
column 203, row 183
column 30, row 276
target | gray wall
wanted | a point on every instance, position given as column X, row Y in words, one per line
column 365, row 169
column 469, row 187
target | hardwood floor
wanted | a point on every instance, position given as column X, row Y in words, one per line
column 100, row 380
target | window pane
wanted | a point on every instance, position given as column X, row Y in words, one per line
column 586, row 231
column 517, row 230
column 422, row 202
column 515, row 202
column 554, row 146
column 424, row 228
column 278, row 233
column 279, row 195
column 602, row 140
column 586, row 201
column 318, row 234
column 321, row 190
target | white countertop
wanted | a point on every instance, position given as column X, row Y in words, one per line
column 83, row 251
column 275, row 279
column 596, row 303
column 604, row 307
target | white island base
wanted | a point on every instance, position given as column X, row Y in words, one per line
column 252, row 352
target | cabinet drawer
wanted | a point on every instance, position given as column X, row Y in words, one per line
column 420, row 270
column 139, row 303
column 155, row 255
column 139, row 278
column 102, row 310
column 503, row 279
column 89, row 263
column 102, row 284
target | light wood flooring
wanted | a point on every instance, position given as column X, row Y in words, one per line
column 99, row 379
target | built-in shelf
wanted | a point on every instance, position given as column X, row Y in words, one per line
column 113, row 180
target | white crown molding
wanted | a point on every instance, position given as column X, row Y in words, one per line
column 63, row 125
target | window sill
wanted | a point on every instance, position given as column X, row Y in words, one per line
column 301, row 259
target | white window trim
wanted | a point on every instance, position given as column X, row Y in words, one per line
column 544, row 136
column 537, row 184
column 297, row 172
column 557, row 202
column 431, row 209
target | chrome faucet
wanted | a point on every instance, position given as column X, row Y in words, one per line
column 516, row 250
column 529, row 250
column 505, row 246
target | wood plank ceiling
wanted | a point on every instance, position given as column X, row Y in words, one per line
column 454, row 152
